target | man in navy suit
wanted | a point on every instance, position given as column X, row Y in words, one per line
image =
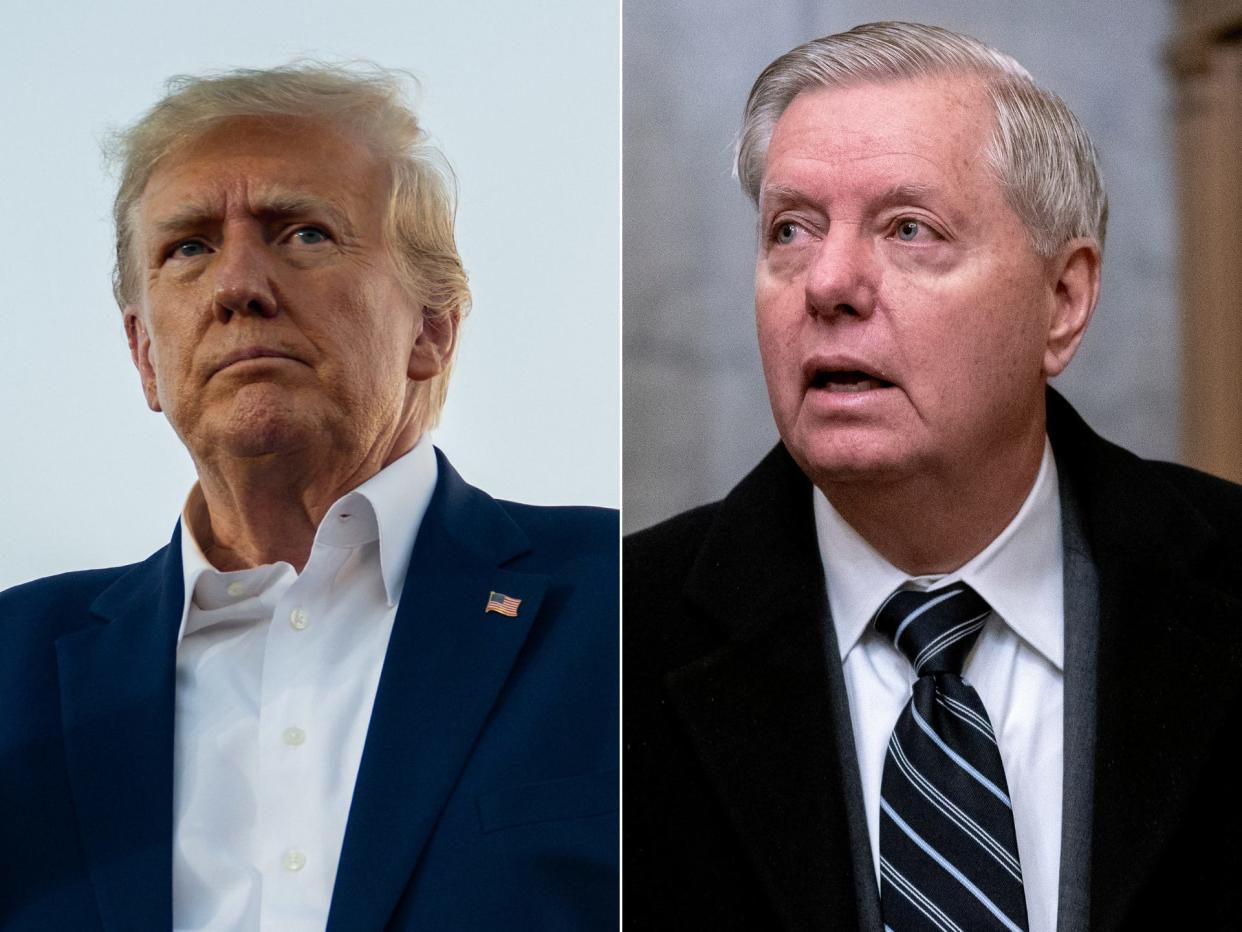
column 353, row 691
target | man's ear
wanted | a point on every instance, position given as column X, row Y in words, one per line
column 140, row 353
column 434, row 346
column 1076, row 288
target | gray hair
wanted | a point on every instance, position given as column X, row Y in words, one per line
column 1040, row 153
column 364, row 98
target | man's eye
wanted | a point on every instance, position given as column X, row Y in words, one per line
column 908, row 230
column 310, row 236
column 189, row 249
column 785, row 233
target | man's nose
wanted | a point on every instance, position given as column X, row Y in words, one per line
column 841, row 281
column 243, row 283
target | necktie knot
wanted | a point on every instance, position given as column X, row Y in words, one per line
column 936, row 629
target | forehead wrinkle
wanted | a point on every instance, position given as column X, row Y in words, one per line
column 839, row 160
column 269, row 202
column 827, row 139
column 901, row 192
column 822, row 177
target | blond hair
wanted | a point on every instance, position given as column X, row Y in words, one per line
column 364, row 98
column 1040, row 153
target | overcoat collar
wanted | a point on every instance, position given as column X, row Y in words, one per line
column 1169, row 654
column 762, row 709
column 446, row 663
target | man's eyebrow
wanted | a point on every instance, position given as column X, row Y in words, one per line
column 781, row 194
column 277, row 203
column 188, row 216
column 896, row 194
column 270, row 205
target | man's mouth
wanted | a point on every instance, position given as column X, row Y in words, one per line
column 245, row 354
column 847, row 381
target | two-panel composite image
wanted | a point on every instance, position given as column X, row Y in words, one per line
column 646, row 467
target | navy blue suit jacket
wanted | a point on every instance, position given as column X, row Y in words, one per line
column 487, row 792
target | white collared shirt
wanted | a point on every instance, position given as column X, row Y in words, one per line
column 1016, row 666
column 276, row 675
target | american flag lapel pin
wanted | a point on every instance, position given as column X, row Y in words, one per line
column 502, row 604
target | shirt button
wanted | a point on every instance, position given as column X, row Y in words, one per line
column 294, row 860
column 237, row 588
column 294, row 735
column 299, row 618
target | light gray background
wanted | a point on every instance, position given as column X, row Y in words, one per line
column 696, row 410
column 524, row 100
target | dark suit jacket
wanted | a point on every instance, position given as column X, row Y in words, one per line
column 742, row 806
column 487, row 792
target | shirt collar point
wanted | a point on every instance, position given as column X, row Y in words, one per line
column 855, row 573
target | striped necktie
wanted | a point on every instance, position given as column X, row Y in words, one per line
column 948, row 855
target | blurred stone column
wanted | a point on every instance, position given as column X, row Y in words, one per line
column 1206, row 61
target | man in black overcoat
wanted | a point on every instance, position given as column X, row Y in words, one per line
column 931, row 226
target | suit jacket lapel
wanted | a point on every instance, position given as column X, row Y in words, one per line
column 1168, row 658
column 763, row 710
column 117, row 687
column 446, row 664
column 1082, row 623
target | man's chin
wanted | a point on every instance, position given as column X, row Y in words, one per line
column 849, row 457
column 261, row 444
column 266, row 417
column 256, row 434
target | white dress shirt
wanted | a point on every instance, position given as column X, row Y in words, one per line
column 276, row 675
column 1015, row 666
